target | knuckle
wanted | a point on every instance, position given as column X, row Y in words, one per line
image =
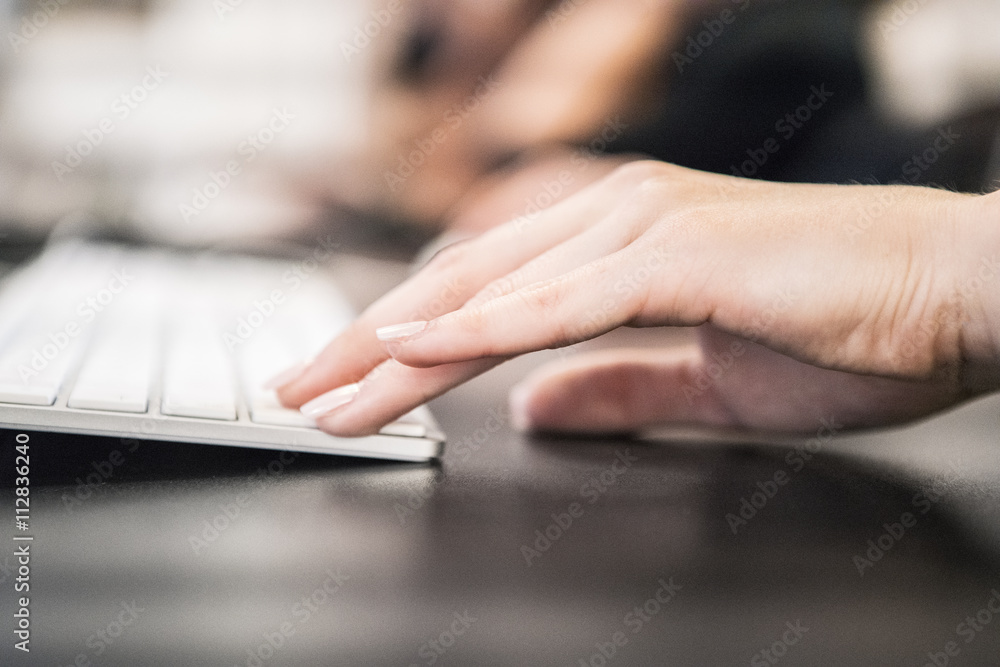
column 494, row 290
column 544, row 298
column 477, row 325
column 473, row 322
column 644, row 171
column 652, row 190
column 544, row 301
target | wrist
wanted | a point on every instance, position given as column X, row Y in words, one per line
column 979, row 290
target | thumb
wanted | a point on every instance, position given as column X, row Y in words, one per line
column 617, row 390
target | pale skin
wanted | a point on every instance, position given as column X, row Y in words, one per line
column 870, row 305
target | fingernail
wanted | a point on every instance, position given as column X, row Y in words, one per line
column 288, row 375
column 400, row 331
column 517, row 401
column 330, row 401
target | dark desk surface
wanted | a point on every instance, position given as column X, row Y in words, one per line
column 428, row 564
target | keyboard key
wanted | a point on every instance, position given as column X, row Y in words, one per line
column 411, row 425
column 33, row 371
column 198, row 378
column 267, row 354
column 260, row 357
column 405, row 430
column 265, row 409
column 117, row 373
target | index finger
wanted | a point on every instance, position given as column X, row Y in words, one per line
column 454, row 275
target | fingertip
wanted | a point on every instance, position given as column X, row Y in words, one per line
column 298, row 390
column 325, row 404
column 333, row 414
column 288, row 398
column 287, row 376
column 337, row 426
column 519, row 402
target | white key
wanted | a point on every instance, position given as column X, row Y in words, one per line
column 118, row 370
column 317, row 316
column 198, row 376
column 33, row 371
column 265, row 409
column 117, row 373
column 411, row 425
column 262, row 357
column 268, row 353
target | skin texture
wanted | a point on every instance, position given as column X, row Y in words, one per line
column 871, row 305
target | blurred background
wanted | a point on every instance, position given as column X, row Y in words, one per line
column 191, row 121
column 217, row 121
column 74, row 69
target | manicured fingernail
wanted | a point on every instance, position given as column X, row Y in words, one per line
column 330, row 401
column 400, row 331
column 288, row 375
column 517, row 401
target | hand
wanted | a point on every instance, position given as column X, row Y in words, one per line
column 499, row 79
column 871, row 305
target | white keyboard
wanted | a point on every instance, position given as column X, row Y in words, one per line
column 148, row 344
